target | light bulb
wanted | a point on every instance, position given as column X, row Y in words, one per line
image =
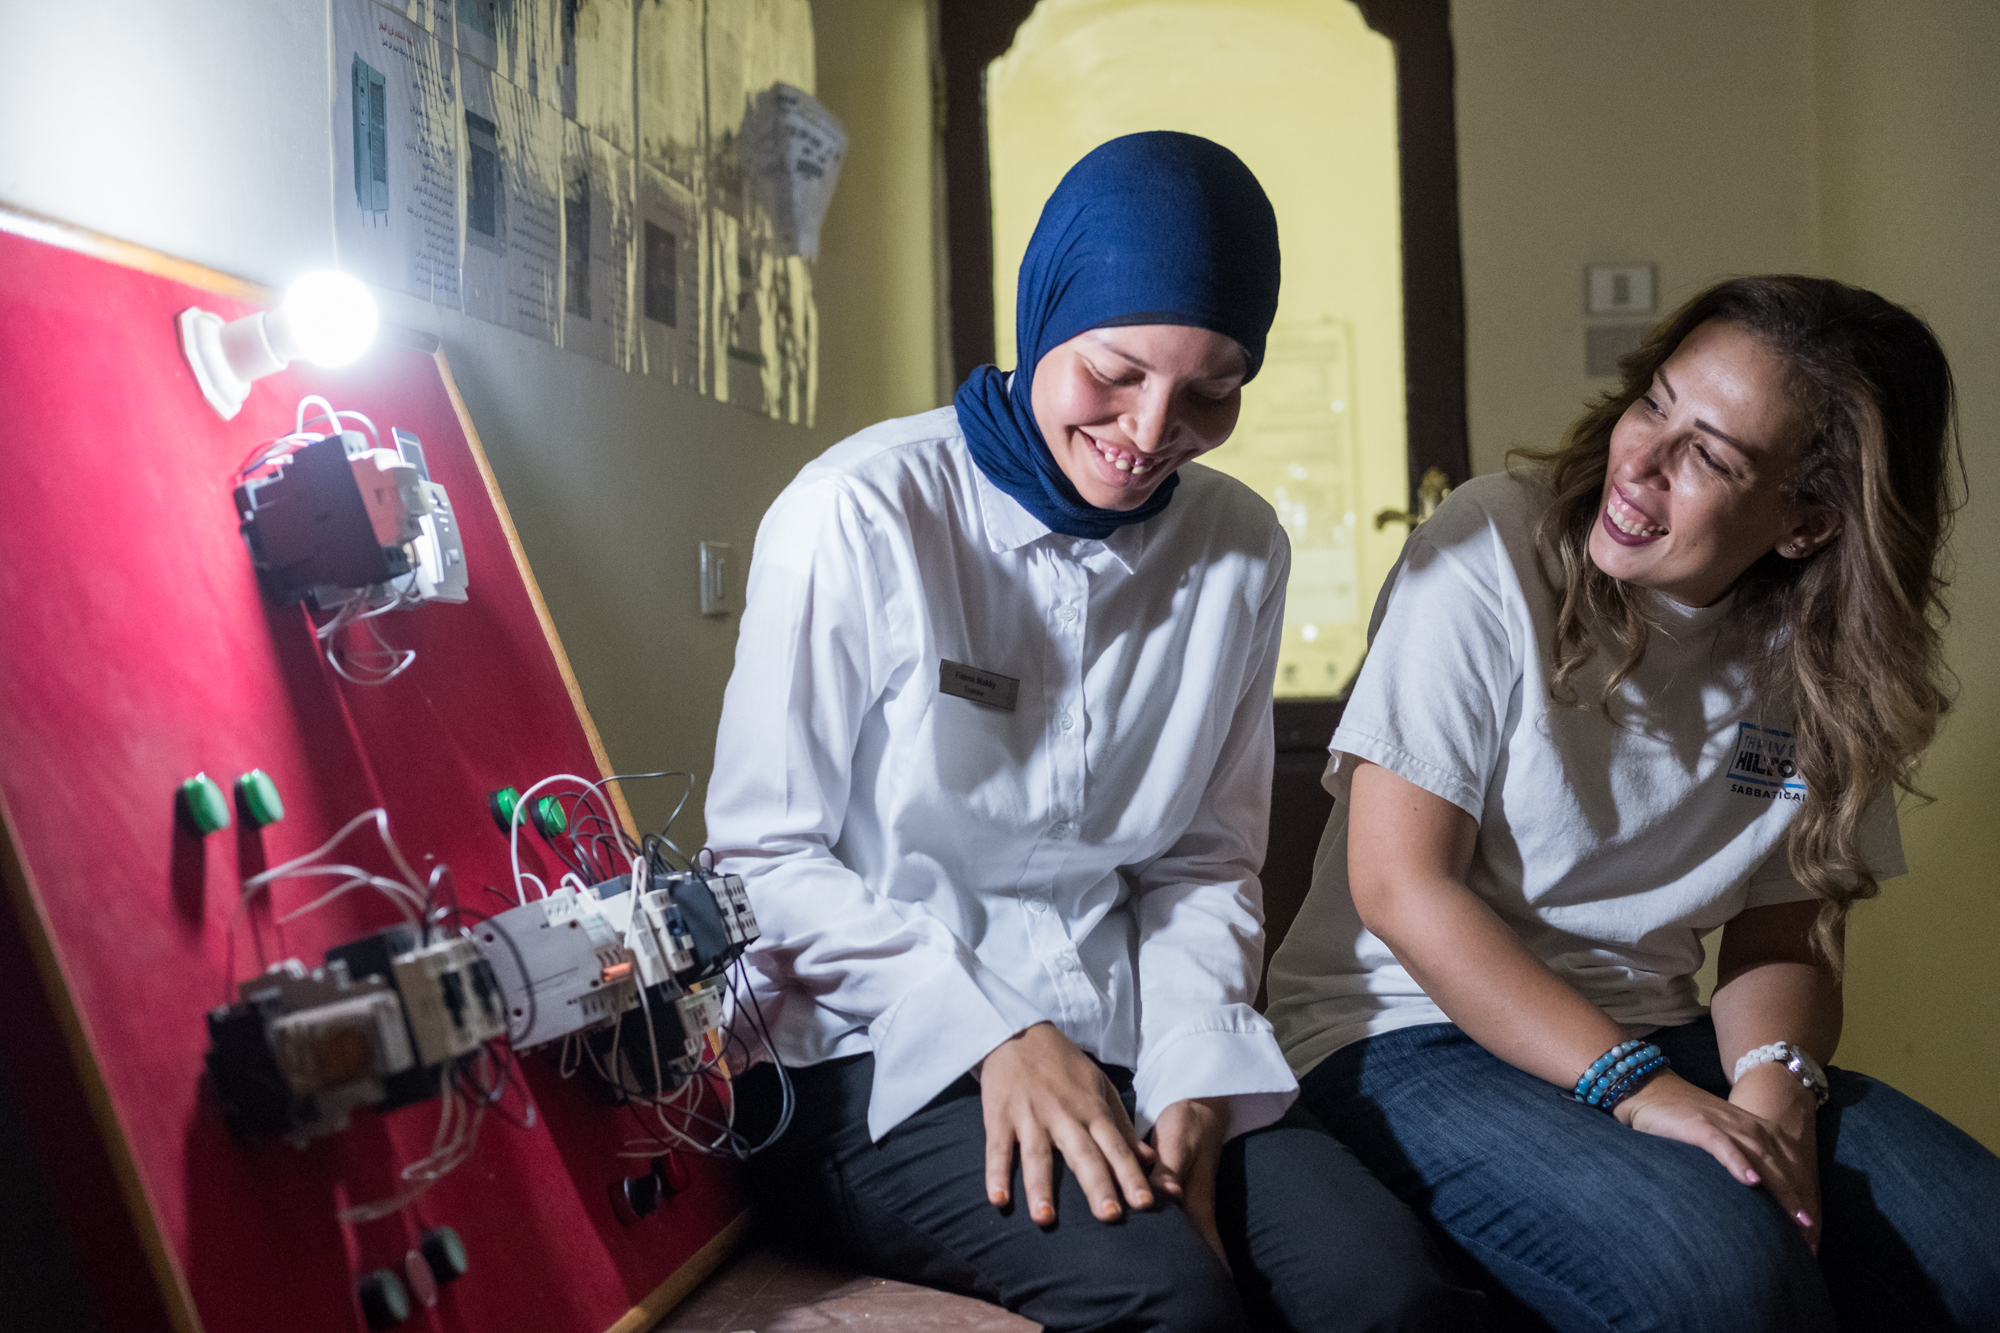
column 327, row 317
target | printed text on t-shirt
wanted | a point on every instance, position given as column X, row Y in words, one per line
column 1765, row 764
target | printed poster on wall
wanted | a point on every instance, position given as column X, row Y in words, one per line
column 433, row 16
column 639, row 181
column 395, row 154
column 512, row 192
column 597, row 241
column 667, row 284
column 594, row 40
column 669, row 88
column 516, row 39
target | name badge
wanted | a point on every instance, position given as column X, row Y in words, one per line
column 982, row 687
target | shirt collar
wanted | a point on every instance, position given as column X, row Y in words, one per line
column 1009, row 527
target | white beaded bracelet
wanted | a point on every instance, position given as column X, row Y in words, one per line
column 1801, row 1066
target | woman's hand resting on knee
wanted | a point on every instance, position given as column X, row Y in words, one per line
column 1044, row 1095
column 1763, row 1135
column 1188, row 1140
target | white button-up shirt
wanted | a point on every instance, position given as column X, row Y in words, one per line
column 932, row 874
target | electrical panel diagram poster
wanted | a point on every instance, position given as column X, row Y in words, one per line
column 594, row 38
column 512, row 192
column 395, row 153
column 597, row 213
column 667, row 283
column 669, row 88
column 516, row 39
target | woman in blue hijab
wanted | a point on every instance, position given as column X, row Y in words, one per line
column 995, row 764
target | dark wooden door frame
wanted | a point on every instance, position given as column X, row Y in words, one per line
column 973, row 33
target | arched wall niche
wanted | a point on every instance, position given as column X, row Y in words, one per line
column 973, row 34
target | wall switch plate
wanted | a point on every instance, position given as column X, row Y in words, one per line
column 1619, row 289
column 716, row 577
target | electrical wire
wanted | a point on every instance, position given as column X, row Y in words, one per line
column 408, row 899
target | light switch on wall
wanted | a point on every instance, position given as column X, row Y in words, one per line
column 717, row 592
column 1618, row 289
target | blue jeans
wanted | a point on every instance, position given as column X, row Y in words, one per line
column 1582, row 1224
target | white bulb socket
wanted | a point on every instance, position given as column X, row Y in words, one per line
column 327, row 317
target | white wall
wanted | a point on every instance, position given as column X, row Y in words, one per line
column 201, row 128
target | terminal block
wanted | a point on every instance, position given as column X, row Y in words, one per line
column 561, row 964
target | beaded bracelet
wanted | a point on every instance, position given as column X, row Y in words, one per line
column 1632, row 1082
column 1603, row 1063
column 1619, row 1073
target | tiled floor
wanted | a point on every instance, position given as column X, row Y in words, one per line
column 762, row 1292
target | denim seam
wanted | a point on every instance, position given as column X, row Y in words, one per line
column 1471, row 1243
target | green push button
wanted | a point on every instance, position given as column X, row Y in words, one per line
column 207, row 808
column 501, row 805
column 549, row 817
column 444, row 1252
column 259, row 795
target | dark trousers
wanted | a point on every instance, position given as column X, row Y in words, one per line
column 1591, row 1226
column 1314, row 1241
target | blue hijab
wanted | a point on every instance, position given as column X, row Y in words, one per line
column 1155, row 228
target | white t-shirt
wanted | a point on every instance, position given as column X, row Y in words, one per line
column 1609, row 849
column 977, row 774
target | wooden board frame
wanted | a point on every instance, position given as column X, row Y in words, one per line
column 33, row 934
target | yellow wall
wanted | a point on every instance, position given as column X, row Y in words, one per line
column 1595, row 131
column 878, row 277
column 1909, row 120
column 1304, row 92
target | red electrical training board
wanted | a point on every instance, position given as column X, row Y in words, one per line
column 135, row 651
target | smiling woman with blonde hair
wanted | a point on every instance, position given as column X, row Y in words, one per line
column 1662, row 681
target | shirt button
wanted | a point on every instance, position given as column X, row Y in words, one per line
column 1038, row 905
column 1064, row 721
column 1068, row 963
column 1063, row 830
column 1066, row 615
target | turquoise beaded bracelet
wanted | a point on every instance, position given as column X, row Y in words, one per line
column 1632, row 1082
column 1618, row 1073
column 1602, row 1063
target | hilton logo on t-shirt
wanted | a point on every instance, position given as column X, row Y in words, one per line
column 1766, row 764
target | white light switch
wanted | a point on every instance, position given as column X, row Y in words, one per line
column 1618, row 289
column 716, row 576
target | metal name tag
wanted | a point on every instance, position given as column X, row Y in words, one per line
column 982, row 687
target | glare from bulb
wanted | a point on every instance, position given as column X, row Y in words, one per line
column 330, row 316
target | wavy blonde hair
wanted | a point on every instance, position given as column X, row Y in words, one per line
column 1852, row 635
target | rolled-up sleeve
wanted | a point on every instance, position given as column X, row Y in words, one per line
column 1201, row 919
column 814, row 656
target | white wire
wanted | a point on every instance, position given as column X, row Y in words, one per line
column 366, row 605
column 299, row 422
column 299, row 867
column 330, row 415
column 381, row 818
column 358, row 882
column 520, row 809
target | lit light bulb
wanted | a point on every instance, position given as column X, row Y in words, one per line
column 327, row 317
